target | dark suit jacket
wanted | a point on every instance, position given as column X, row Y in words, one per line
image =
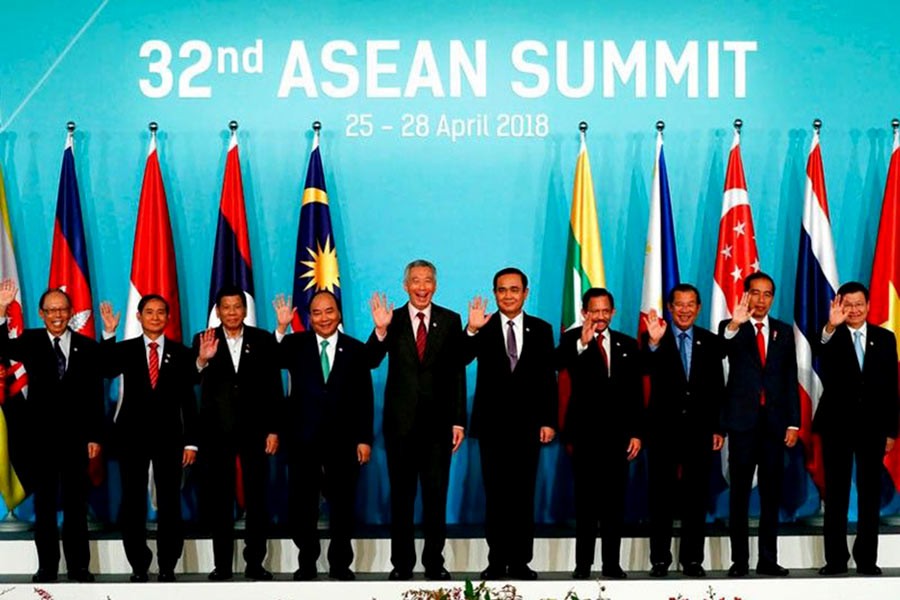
column 70, row 410
column 696, row 401
column 164, row 415
column 866, row 397
column 243, row 404
column 339, row 411
column 512, row 403
column 747, row 379
column 431, row 393
column 602, row 408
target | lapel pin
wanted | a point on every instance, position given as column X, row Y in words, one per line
column 774, row 335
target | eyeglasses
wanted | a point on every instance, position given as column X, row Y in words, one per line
column 56, row 309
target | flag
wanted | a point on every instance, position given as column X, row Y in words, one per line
column 660, row 255
column 584, row 258
column 884, row 307
column 13, row 386
column 736, row 255
column 153, row 261
column 817, row 282
column 231, row 256
column 316, row 265
column 68, row 262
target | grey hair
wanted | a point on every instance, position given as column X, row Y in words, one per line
column 419, row 262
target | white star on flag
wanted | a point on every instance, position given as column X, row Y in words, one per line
column 739, row 228
column 736, row 274
column 726, row 252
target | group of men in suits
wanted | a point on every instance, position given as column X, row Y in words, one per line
column 327, row 423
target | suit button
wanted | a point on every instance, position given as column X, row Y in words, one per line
column 684, row 411
column 688, row 393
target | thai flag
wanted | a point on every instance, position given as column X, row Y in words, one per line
column 817, row 282
column 231, row 256
column 68, row 263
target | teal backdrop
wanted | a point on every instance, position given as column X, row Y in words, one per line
column 472, row 204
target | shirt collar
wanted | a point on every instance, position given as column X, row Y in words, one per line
column 239, row 336
column 517, row 320
column 160, row 340
column 331, row 339
column 689, row 331
column 64, row 337
column 764, row 321
column 863, row 329
column 413, row 311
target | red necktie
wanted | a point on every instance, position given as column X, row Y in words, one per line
column 153, row 362
column 761, row 346
column 421, row 334
column 603, row 353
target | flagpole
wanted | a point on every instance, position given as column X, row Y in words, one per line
column 894, row 519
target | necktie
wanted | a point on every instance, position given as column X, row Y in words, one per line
column 603, row 353
column 153, row 363
column 857, row 345
column 60, row 358
column 682, row 349
column 761, row 346
column 421, row 334
column 511, row 346
column 323, row 358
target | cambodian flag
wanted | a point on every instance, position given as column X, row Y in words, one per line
column 68, row 263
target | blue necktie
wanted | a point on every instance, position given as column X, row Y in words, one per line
column 682, row 349
column 60, row 358
column 857, row 345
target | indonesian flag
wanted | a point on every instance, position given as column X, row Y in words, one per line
column 884, row 307
column 817, row 282
column 660, row 255
column 736, row 255
column 68, row 262
column 584, row 259
column 153, row 262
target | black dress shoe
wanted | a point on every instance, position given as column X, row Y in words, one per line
column 614, row 572
column 441, row 574
column 523, row 573
column 80, row 575
column 581, row 572
column 400, row 575
column 831, row 569
column 493, row 573
column 166, row 576
column 771, row 570
column 257, row 573
column 139, row 578
column 44, row 576
column 872, row 570
column 693, row 569
column 341, row 574
column 307, row 573
column 220, row 575
column 659, row 570
column 739, row 570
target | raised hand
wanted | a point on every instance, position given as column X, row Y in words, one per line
column 656, row 327
column 8, row 290
column 836, row 313
column 587, row 332
column 382, row 312
column 110, row 319
column 478, row 317
column 284, row 311
column 209, row 344
column 741, row 313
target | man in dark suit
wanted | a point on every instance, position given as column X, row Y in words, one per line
column 240, row 400
column 65, row 410
column 686, row 391
column 761, row 417
column 424, row 413
column 328, row 430
column 603, row 426
column 513, row 413
column 156, row 422
column 857, row 416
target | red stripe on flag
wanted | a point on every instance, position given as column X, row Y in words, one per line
column 232, row 206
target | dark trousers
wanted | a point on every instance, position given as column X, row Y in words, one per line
column 219, row 459
column 689, row 455
column 134, row 464
column 600, row 471
column 509, row 471
column 746, row 451
column 61, row 470
column 418, row 457
column 334, row 472
column 838, row 451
